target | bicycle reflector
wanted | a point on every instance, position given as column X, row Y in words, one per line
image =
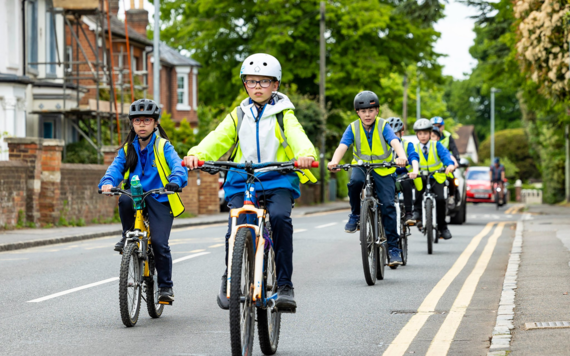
column 456, row 182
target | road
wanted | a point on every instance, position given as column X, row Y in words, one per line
column 63, row 299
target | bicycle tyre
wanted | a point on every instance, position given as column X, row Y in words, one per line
column 381, row 252
column 429, row 226
column 130, row 303
column 268, row 322
column 153, row 307
column 240, row 287
column 404, row 245
column 497, row 201
column 368, row 246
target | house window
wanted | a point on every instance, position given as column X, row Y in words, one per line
column 50, row 43
column 32, row 34
column 48, row 129
column 182, row 92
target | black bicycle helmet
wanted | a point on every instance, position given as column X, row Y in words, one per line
column 365, row 100
column 396, row 123
column 144, row 107
column 436, row 130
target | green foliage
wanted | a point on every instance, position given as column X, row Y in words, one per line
column 342, row 179
column 181, row 137
column 382, row 37
column 511, row 145
column 21, row 218
column 80, row 152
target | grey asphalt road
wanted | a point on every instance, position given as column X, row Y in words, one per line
column 338, row 314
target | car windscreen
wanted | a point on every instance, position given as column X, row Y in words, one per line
column 478, row 175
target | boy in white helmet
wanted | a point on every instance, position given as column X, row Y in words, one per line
column 252, row 127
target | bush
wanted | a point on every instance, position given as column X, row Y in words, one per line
column 342, row 179
column 512, row 144
column 80, row 152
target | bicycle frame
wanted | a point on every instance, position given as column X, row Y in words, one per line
column 429, row 195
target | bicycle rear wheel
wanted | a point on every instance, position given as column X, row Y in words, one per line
column 153, row 307
column 130, row 285
column 429, row 226
column 268, row 321
column 368, row 246
column 242, row 310
column 404, row 245
column 497, row 199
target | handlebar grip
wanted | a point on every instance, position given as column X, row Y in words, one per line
column 200, row 163
column 315, row 164
column 99, row 191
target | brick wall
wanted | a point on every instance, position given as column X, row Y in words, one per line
column 79, row 198
column 208, row 197
column 28, row 150
column 12, row 191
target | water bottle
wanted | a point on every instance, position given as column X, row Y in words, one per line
column 137, row 192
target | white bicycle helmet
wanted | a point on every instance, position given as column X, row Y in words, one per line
column 261, row 64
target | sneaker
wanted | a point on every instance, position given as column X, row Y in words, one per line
column 352, row 224
column 165, row 295
column 223, row 301
column 446, row 234
column 409, row 219
column 285, row 298
column 119, row 245
column 395, row 257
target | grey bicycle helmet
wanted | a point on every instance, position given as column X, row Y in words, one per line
column 365, row 100
column 144, row 107
column 396, row 123
column 422, row 125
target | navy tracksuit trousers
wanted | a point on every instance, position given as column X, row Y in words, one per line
column 279, row 204
column 386, row 192
column 160, row 218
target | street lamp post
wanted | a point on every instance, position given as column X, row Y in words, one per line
column 493, row 91
column 156, row 44
column 418, row 99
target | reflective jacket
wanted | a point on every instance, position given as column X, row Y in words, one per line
column 159, row 169
column 445, row 140
column 433, row 162
column 381, row 151
column 260, row 140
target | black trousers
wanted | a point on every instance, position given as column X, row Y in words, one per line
column 408, row 187
column 438, row 190
column 279, row 204
column 385, row 191
column 160, row 219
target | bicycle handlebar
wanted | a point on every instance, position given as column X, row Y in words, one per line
column 118, row 191
column 366, row 165
column 251, row 165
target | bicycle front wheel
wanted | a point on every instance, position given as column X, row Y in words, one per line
column 242, row 310
column 368, row 243
column 429, row 226
column 153, row 307
column 404, row 244
column 130, row 285
column 268, row 321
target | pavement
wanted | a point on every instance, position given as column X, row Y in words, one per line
column 26, row 238
column 62, row 299
column 543, row 292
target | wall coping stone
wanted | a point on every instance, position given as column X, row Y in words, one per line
column 13, row 164
column 37, row 140
column 109, row 149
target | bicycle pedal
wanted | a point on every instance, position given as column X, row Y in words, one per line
column 164, row 303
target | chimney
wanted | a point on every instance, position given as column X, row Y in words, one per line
column 138, row 20
column 114, row 6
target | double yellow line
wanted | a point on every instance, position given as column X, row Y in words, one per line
column 514, row 209
column 442, row 341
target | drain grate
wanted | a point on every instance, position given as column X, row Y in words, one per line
column 548, row 325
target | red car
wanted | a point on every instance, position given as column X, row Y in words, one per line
column 479, row 185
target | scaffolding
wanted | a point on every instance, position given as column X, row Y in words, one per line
column 91, row 67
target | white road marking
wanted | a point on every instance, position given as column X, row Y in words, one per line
column 326, row 225
column 442, row 342
column 109, row 280
column 299, row 230
column 216, row 245
column 400, row 344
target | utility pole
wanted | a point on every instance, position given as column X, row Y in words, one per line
column 405, row 104
column 322, row 65
column 156, row 53
column 493, row 91
column 418, row 99
column 567, row 168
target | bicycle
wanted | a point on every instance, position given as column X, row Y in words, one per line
column 499, row 202
column 429, row 212
column 137, row 274
column 252, row 277
column 403, row 229
column 373, row 241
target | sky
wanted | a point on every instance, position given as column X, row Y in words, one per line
column 456, row 30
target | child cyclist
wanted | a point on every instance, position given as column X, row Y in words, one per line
column 433, row 156
column 253, row 128
column 407, row 185
column 380, row 140
column 148, row 154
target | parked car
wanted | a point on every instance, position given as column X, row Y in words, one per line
column 456, row 208
column 479, row 185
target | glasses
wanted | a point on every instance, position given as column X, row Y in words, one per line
column 437, row 125
column 264, row 83
column 146, row 121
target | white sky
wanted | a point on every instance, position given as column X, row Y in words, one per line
column 456, row 36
